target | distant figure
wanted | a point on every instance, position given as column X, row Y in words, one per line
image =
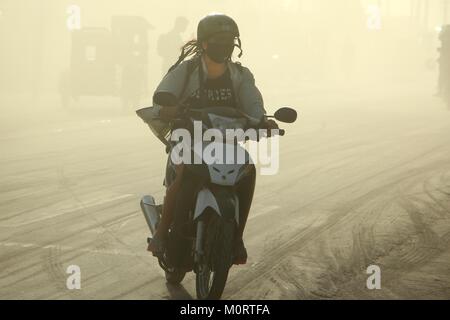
column 169, row 44
column 444, row 62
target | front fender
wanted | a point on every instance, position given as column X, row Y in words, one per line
column 223, row 201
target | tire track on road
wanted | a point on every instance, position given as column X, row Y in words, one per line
column 273, row 259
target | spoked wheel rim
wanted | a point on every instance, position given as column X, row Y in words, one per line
column 206, row 280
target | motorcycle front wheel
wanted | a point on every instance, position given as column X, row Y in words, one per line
column 212, row 272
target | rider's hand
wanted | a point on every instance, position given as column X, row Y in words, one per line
column 271, row 124
column 169, row 113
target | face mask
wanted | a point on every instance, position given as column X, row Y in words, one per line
column 218, row 52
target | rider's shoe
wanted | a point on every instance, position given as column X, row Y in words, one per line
column 156, row 246
column 240, row 253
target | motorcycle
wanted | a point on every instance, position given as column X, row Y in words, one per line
column 206, row 216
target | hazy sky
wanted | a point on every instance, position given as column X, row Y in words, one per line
column 304, row 37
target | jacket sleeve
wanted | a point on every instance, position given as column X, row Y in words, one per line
column 172, row 83
column 250, row 97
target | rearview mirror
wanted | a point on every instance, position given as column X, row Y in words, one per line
column 287, row 115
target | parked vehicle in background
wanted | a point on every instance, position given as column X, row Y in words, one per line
column 108, row 62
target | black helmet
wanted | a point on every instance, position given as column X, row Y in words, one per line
column 209, row 26
column 216, row 23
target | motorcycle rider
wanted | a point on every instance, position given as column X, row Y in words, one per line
column 208, row 79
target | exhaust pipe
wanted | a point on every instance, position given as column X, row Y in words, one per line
column 151, row 212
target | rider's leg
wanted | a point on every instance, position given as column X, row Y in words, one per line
column 245, row 191
column 167, row 211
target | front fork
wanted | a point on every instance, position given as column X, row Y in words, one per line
column 199, row 241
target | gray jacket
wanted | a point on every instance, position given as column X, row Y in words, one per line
column 248, row 97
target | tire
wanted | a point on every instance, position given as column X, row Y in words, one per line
column 212, row 274
column 175, row 277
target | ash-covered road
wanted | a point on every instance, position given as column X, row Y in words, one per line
column 362, row 182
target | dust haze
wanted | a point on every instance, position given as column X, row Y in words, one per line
column 364, row 174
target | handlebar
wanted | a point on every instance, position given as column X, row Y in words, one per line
column 254, row 123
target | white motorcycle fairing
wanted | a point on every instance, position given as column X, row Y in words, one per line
column 206, row 199
column 225, row 172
